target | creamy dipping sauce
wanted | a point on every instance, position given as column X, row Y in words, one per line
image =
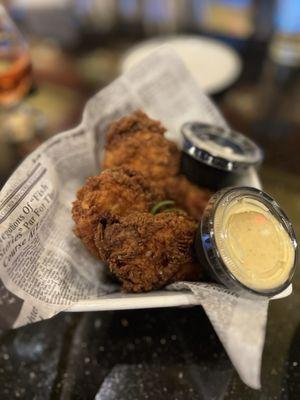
column 253, row 244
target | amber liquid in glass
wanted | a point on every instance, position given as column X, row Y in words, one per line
column 15, row 77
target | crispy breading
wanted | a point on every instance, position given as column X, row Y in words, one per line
column 186, row 195
column 136, row 122
column 116, row 192
column 137, row 142
column 147, row 251
column 112, row 210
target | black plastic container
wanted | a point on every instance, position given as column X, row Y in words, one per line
column 215, row 157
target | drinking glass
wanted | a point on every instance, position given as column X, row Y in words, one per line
column 21, row 126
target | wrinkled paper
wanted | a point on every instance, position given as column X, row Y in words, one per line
column 44, row 268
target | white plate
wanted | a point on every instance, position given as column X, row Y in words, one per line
column 212, row 64
column 155, row 299
column 122, row 301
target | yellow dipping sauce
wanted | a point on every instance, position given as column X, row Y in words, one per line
column 253, row 244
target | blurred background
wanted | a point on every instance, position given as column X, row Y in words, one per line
column 244, row 53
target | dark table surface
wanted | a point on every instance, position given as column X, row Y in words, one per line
column 162, row 353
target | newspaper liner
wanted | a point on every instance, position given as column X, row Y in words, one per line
column 44, row 268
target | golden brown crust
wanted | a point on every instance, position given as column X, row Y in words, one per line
column 114, row 193
column 138, row 143
column 187, row 196
column 147, row 252
column 130, row 124
column 112, row 210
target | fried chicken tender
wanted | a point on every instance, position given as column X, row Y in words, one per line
column 147, row 251
column 137, row 142
column 115, row 192
column 186, row 195
column 112, row 213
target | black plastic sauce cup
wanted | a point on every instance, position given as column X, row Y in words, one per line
column 215, row 157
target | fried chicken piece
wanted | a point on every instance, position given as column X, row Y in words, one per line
column 148, row 251
column 186, row 195
column 137, row 142
column 115, row 192
column 134, row 122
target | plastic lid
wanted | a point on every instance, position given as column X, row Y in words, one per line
column 248, row 242
column 220, row 148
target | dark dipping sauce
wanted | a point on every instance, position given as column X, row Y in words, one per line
column 215, row 157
